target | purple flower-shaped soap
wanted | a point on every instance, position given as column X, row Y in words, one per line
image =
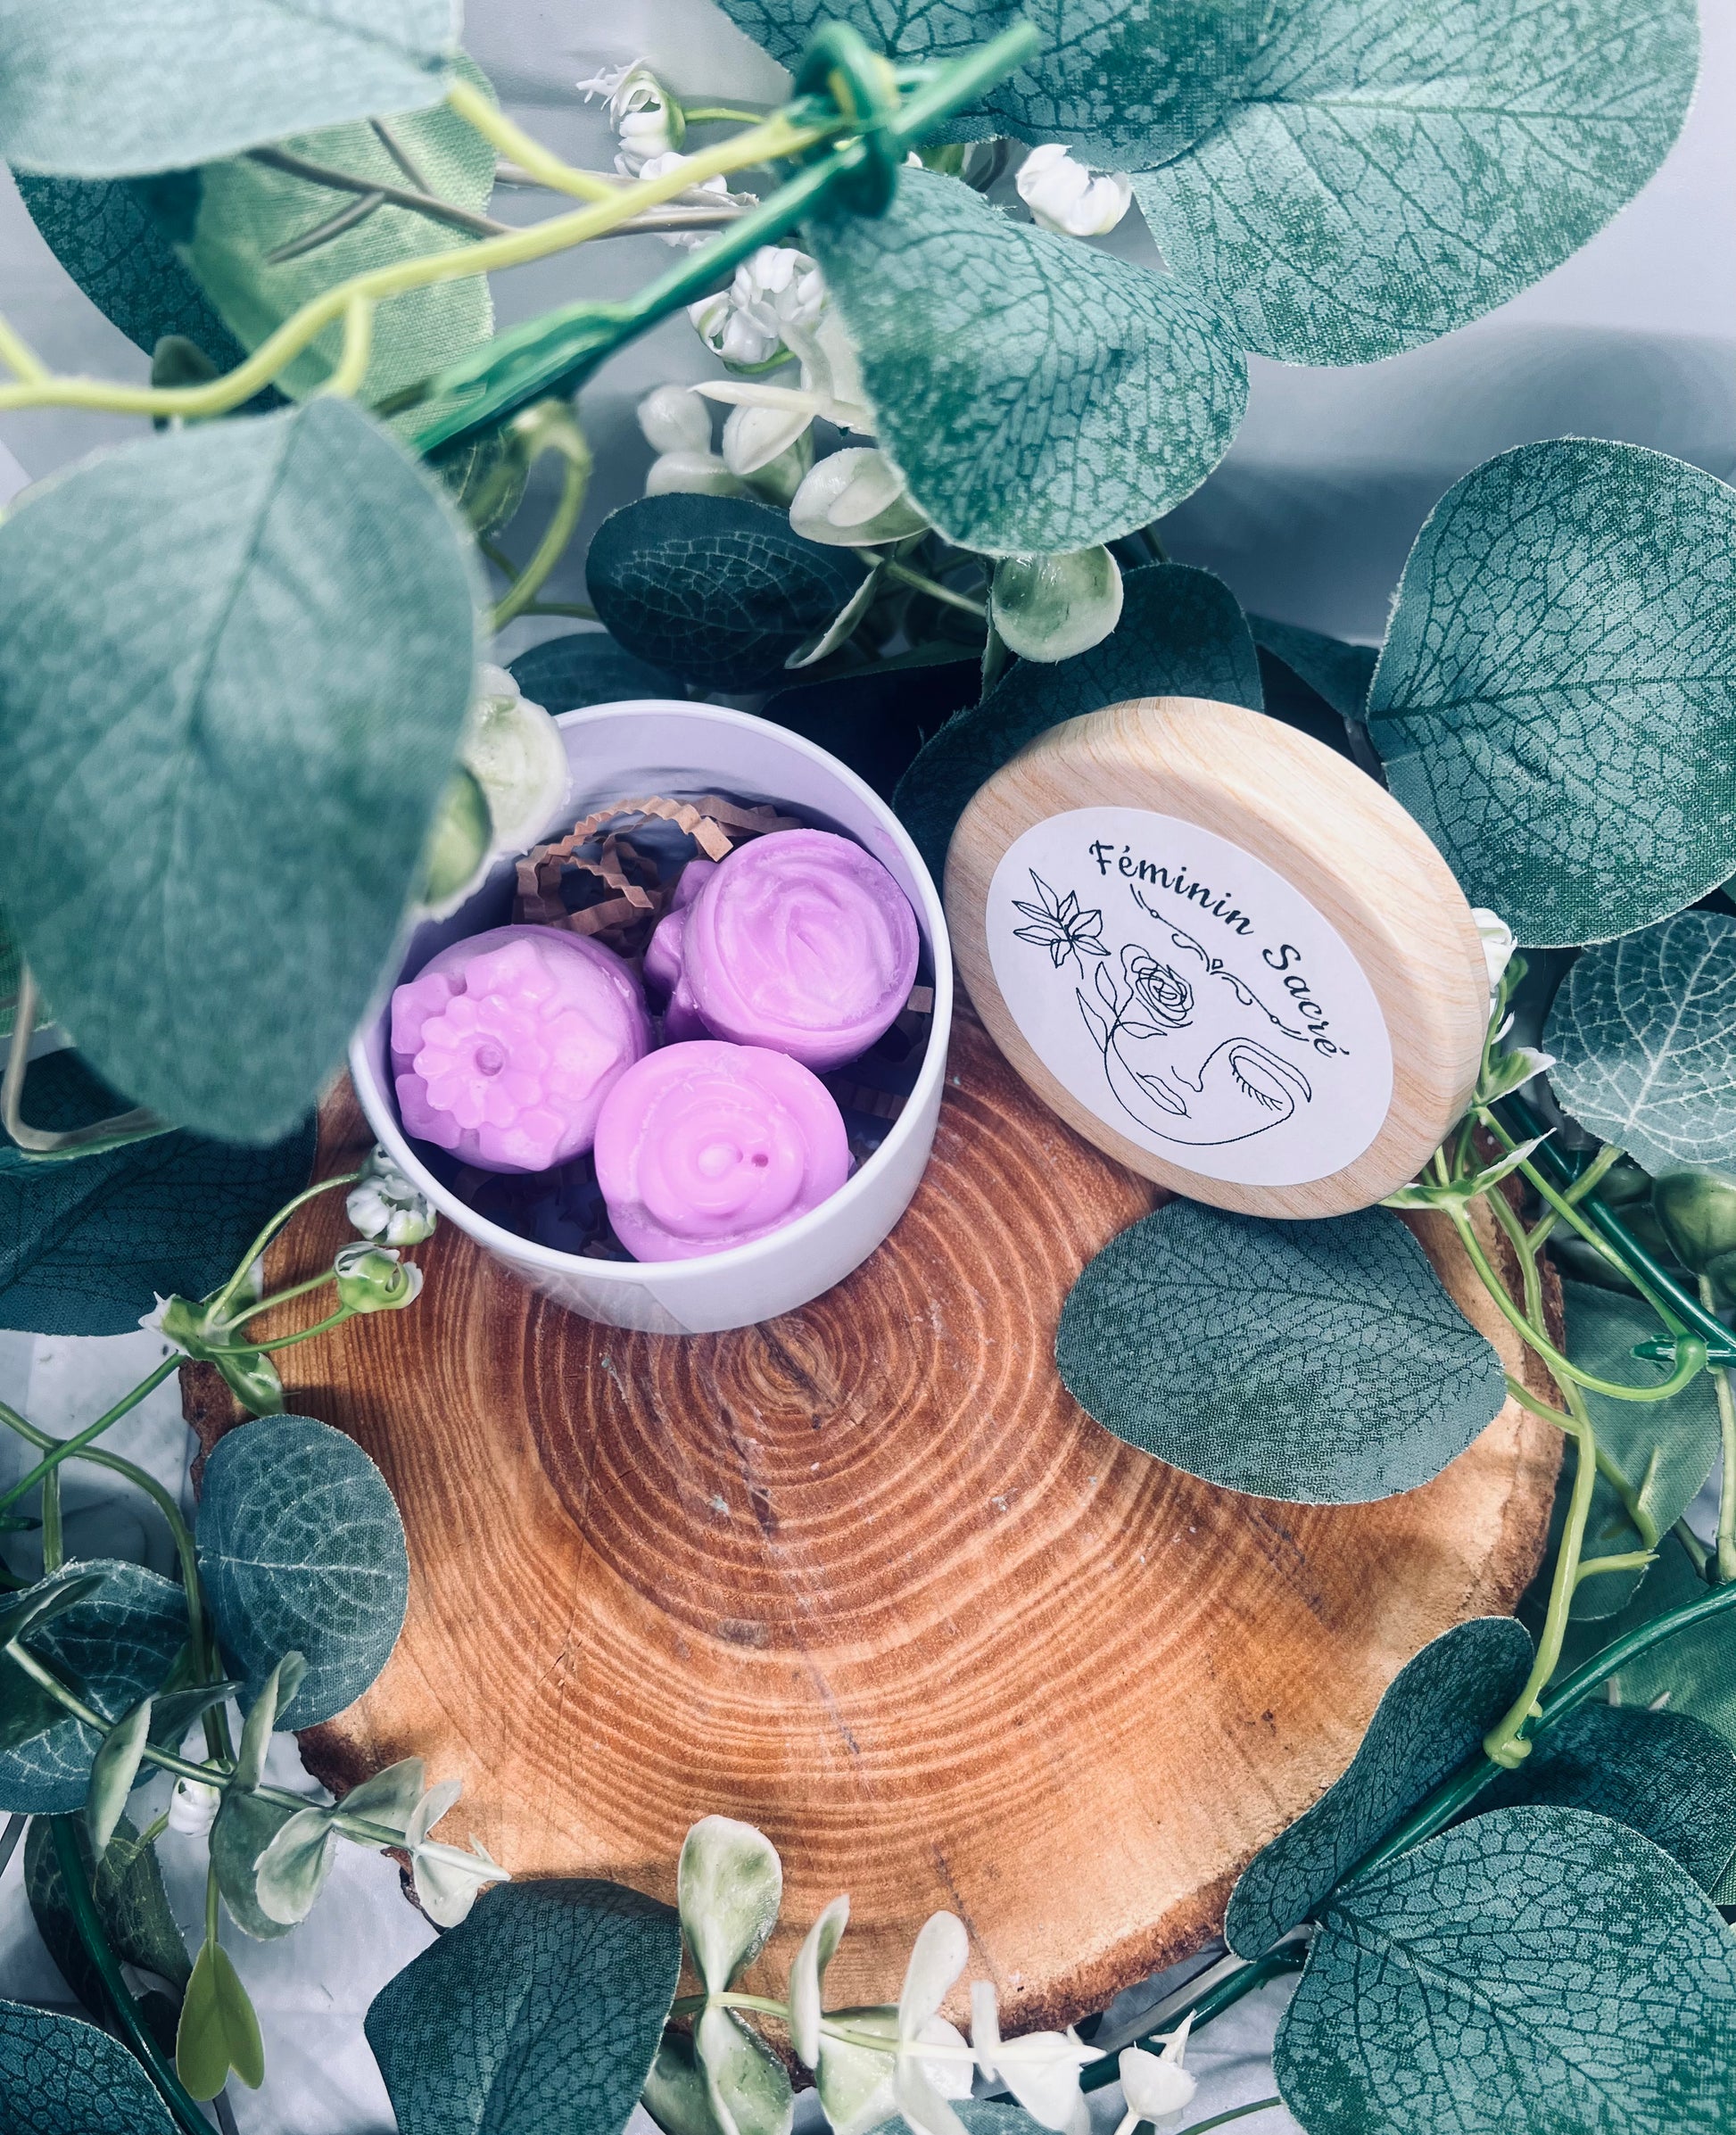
column 801, row 941
column 665, row 955
column 504, row 1046
column 705, row 1145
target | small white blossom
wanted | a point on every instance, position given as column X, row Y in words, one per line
column 774, row 290
column 646, row 119
column 701, row 474
column 193, row 1808
column 385, row 1207
column 674, row 421
column 780, row 310
column 1041, row 2069
column 853, row 499
column 1156, row 2087
column 1497, row 939
column 1062, row 194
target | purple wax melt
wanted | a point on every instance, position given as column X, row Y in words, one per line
column 803, row 942
column 705, row 1145
column 504, row 1046
column 665, row 952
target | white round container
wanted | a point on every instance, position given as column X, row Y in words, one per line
column 619, row 751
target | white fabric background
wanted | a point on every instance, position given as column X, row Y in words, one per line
column 1309, row 519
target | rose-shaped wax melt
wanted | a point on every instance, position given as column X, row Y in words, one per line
column 801, row 941
column 504, row 1046
column 665, row 955
column 705, row 1145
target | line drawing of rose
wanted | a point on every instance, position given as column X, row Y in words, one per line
column 1158, row 990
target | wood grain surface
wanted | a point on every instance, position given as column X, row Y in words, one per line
column 1335, row 834
column 868, row 1578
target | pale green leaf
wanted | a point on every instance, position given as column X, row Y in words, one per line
column 98, row 88
column 219, row 2029
column 300, row 1550
column 1431, row 1718
column 114, row 1773
column 1644, row 1034
column 1035, row 394
column 747, row 2086
column 1127, row 86
column 275, row 1695
column 674, row 2092
column 729, row 1883
column 1318, row 1362
column 1386, row 173
column 1532, row 1972
column 717, row 590
column 53, row 2067
column 1181, row 634
column 540, row 2015
column 248, row 211
column 1555, row 702
column 243, row 1831
column 290, row 1872
column 238, row 663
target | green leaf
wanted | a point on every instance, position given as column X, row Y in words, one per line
column 52, row 2067
column 1665, row 1449
column 1431, row 1718
column 1533, row 1972
column 219, row 2029
column 98, row 88
column 275, row 1695
column 1385, row 174
column 1332, row 669
column 1552, row 702
column 674, row 2093
column 716, row 589
column 133, row 1906
column 301, row 1549
column 108, row 240
column 88, row 1246
column 1318, row 1362
column 114, row 1646
column 1692, row 1671
column 249, row 211
column 747, row 2087
column 587, row 667
column 243, row 749
column 244, row 1828
column 540, row 2015
column 730, row 1883
column 290, row 1872
column 1181, row 634
column 1035, row 394
column 114, row 1773
column 1129, row 86
column 1644, row 1034
column 1660, row 1772
column 877, row 720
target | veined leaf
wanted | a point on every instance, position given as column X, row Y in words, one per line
column 876, row 720
column 1532, row 1971
column 1553, row 702
column 99, row 88
column 1318, row 1362
column 53, row 2068
column 1644, row 1034
column 236, row 669
column 1181, row 634
column 587, row 666
column 1431, row 1718
column 301, row 1549
column 244, row 1828
column 540, row 2015
column 1386, row 173
column 130, row 1899
column 1037, row 396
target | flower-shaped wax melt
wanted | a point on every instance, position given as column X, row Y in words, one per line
column 704, row 1145
column 504, row 1046
column 665, row 955
column 801, row 941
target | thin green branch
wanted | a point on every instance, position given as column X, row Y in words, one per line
column 66, row 1448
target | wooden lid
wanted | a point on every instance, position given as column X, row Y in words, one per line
column 1221, row 953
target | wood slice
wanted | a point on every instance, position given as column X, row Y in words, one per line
column 869, row 1578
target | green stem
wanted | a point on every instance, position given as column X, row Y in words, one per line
column 270, row 1305
column 89, row 1925
column 549, row 429
column 54, row 1545
column 1726, row 1543
column 1608, row 1466
column 66, row 1448
column 225, row 1298
column 1580, row 1685
column 1289, row 1957
column 720, row 114
column 935, row 591
column 257, row 1349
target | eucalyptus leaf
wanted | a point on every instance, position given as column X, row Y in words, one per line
column 1692, row 1671
column 1318, row 1362
column 1530, row 1972
column 1552, row 702
column 127, row 1888
column 1665, row 1449
column 108, row 240
column 586, row 667
column 252, row 211
column 114, row 1773
column 262, row 628
column 1037, row 396
column 301, row 1549
column 1338, row 671
column 747, row 2087
column 717, row 590
column 1181, row 634
column 540, row 2015
column 1432, row 1715
column 244, row 1829
column 275, row 1695
column 290, row 1872
column 876, row 721
column 729, row 1886
column 54, row 2066
column 1385, row 174
column 1644, row 1034
column 99, row 88
column 219, row 2029
column 1129, row 86
column 1663, row 1773
column 87, row 1247
column 115, row 1644
column 674, row 2093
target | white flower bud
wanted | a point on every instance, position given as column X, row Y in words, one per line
column 1156, row 2087
column 647, row 118
column 385, row 1207
column 1049, row 607
column 753, row 437
column 675, row 420
column 193, row 1808
column 698, row 474
column 1062, row 194
column 1497, row 939
column 854, row 499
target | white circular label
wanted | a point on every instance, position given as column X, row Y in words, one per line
column 1189, row 997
